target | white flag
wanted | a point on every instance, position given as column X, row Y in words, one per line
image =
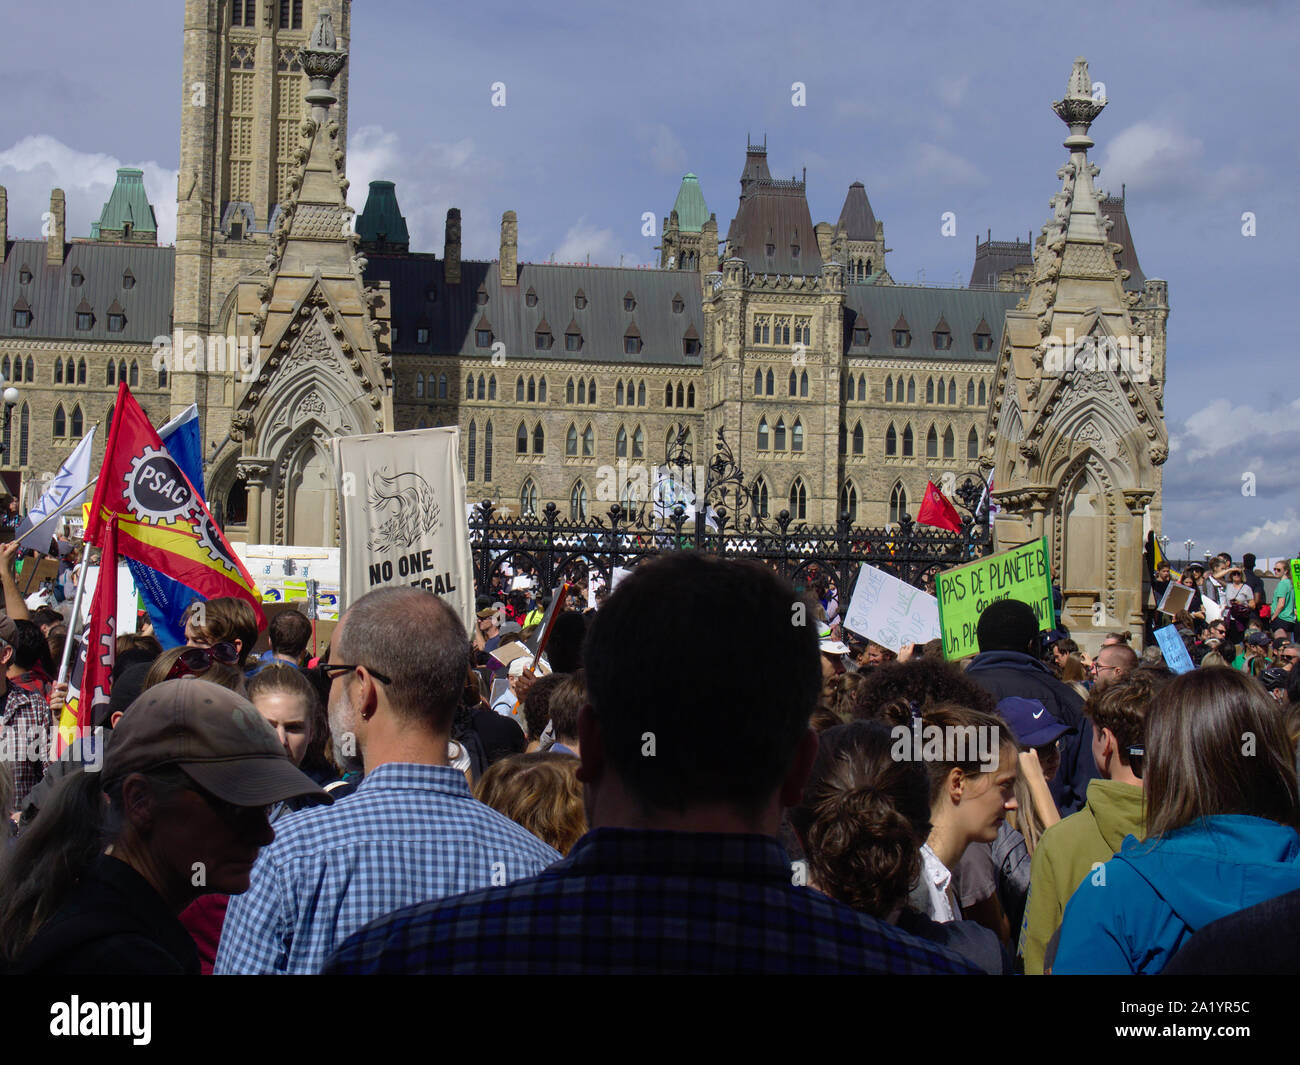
column 65, row 491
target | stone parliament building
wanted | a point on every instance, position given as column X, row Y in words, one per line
column 839, row 390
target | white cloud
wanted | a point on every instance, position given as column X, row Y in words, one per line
column 932, row 162
column 1272, row 538
column 664, row 149
column 35, row 165
column 1221, row 426
column 584, row 240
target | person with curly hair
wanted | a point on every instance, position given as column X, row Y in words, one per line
column 539, row 791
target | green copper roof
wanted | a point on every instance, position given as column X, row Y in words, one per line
column 382, row 220
column 690, row 208
column 127, row 203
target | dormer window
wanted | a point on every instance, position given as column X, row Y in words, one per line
column 632, row 340
column 679, row 304
column 860, row 336
column 580, row 302
column 422, row 335
column 629, row 302
column 116, row 318
column 794, row 251
column 24, row 276
column 543, row 339
column 572, row 338
column 769, row 249
column 22, row 318
column 481, row 296
column 85, row 316
column 483, row 333
column 983, row 341
column 530, row 298
column 942, row 341
column 128, row 280
column 78, row 279
column 902, row 333
column 690, row 346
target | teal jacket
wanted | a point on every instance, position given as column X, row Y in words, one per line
column 1156, row 893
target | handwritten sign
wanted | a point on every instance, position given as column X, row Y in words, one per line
column 889, row 611
column 965, row 591
column 1174, row 650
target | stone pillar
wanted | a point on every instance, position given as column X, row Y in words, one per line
column 509, row 249
column 57, row 230
column 254, row 472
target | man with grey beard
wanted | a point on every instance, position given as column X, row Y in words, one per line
column 411, row 831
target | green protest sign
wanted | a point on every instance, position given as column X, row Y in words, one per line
column 1021, row 573
column 1295, row 575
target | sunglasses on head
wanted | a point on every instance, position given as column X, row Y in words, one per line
column 194, row 661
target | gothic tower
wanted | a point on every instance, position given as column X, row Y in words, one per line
column 1076, row 433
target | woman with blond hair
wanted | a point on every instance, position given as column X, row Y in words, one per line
column 1219, row 795
column 539, row 791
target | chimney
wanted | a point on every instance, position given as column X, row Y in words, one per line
column 709, row 246
column 824, row 234
column 55, row 230
column 509, row 249
column 4, row 222
column 451, row 248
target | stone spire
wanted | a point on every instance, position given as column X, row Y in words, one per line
column 322, row 60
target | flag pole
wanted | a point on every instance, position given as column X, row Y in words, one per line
column 76, row 612
column 59, row 513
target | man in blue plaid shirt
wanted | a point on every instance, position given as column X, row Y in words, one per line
column 411, row 831
column 694, row 736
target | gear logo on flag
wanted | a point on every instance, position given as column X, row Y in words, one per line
column 209, row 537
column 156, row 489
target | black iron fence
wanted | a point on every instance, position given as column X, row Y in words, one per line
column 552, row 550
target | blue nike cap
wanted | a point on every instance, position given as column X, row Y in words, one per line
column 1031, row 722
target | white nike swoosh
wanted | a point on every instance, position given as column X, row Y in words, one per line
column 1039, row 714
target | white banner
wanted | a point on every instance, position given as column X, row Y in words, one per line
column 402, row 511
column 891, row 612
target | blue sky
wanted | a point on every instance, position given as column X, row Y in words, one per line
column 935, row 107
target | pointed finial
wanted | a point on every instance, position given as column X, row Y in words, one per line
column 1078, row 109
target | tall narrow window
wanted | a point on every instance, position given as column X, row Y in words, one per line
column 891, row 440
column 76, row 420
column 532, row 390
column 949, row 444
column 620, row 443
column 897, row 503
column 541, row 390
column 528, row 498
column 638, row 443
column 519, row 389
column 591, row 391
column 932, row 444
column 135, row 373
column 588, row 442
column 942, row 397
column 796, row 436
column 442, row 386
column 681, row 395
column 58, row 371
column 419, row 386
column 578, row 502
column 24, row 424
column 469, row 386
column 859, row 439
column 794, row 383
column 762, row 434
column 911, row 390
column 571, row 441
column 907, row 442
column 929, row 390
column 972, row 444
column 690, row 396
column 778, row 435
column 844, row 439
column 487, row 452
column 758, row 382
column 521, row 440
column 539, row 439
column 60, row 427
column 618, row 394
column 862, row 388
column 771, row 383
column 889, row 390
column 582, row 391
column 798, row 500
column 471, row 450
column 640, row 394
column 983, row 397
column 568, row 391
column 803, row 385
column 760, row 498
column 849, row 502
column 970, row 392
column 668, row 395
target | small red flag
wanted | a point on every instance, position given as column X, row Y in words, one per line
column 937, row 511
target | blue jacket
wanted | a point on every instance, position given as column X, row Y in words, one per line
column 1006, row 673
column 1134, row 914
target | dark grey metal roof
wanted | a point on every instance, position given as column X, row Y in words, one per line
column 923, row 309
column 993, row 257
column 454, row 316
column 775, row 213
column 857, row 220
column 1113, row 208
column 54, row 299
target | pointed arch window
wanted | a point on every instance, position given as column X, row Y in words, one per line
column 970, row 392
column 681, row 395
column 541, row 390
column 897, row 503
column 758, row 382
column 949, row 444
column 849, row 501
column 859, row 439
column 519, row 389
column 60, row 427
column 983, row 395
column 690, row 396
column 442, row 386
column 844, row 439
column 487, row 452
column 469, row 386
column 911, row 390
column 762, row 435
column 929, row 390
column 620, row 443
column 4, row 367
column 798, row 500
column 568, row 390
column 578, row 501
column 521, row 439
column 532, row 390
column 81, row 372
column 471, row 449
column 760, row 498
column 640, row 394
column 588, row 442
column 539, row 439
column 110, row 375
column 121, row 371
column 889, row 390
column 778, row 435
column 481, row 391
column 794, row 383
column 862, row 388
column 907, row 442
column 58, row 370
column 952, row 390
column 932, row 444
column 571, row 440
column 629, row 498
column 771, row 383
column 942, row 396
column 528, row 498
column 796, row 436
column 803, row 385
column 591, row 391
column 419, row 386
column 972, row 444
column 638, row 443
column 582, row 390
column 618, row 394
column 668, row 395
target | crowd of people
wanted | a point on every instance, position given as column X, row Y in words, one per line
column 650, row 790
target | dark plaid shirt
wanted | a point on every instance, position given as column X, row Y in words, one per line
column 628, row 901
column 26, row 725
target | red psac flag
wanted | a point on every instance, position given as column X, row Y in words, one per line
column 161, row 520
column 937, row 511
column 92, row 673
